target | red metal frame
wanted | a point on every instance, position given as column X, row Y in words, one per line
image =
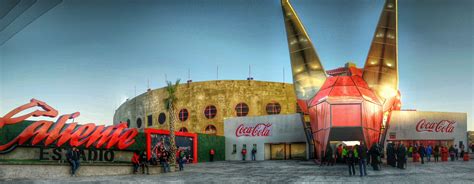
column 149, row 131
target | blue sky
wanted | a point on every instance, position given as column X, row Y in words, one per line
column 88, row 55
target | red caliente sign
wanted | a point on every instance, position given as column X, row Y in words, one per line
column 258, row 130
column 441, row 126
column 44, row 133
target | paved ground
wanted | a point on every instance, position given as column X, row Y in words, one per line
column 288, row 172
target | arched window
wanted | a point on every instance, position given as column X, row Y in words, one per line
column 242, row 109
column 183, row 114
column 183, row 129
column 273, row 108
column 139, row 123
column 150, row 120
column 162, row 118
column 128, row 123
column 210, row 111
column 211, row 129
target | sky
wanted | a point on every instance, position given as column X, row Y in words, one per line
column 90, row 56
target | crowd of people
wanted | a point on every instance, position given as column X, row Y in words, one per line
column 355, row 155
column 397, row 155
column 160, row 155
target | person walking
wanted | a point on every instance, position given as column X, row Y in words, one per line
column 339, row 153
column 328, row 156
column 254, row 151
column 72, row 155
column 451, row 152
column 135, row 162
column 144, row 162
column 436, row 153
column 401, row 156
column 456, row 151
column 181, row 159
column 362, row 159
column 375, row 156
column 410, row 150
column 350, row 162
column 356, row 154
column 429, row 152
column 391, row 155
column 344, row 154
column 164, row 162
column 422, row 152
column 211, row 154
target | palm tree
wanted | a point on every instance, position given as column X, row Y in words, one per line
column 170, row 107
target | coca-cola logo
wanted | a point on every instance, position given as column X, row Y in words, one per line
column 259, row 130
column 445, row 126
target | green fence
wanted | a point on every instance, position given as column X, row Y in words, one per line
column 206, row 143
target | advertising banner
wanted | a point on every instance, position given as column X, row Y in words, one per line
column 420, row 125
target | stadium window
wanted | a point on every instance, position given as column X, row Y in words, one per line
column 162, row 118
column 242, row 109
column 139, row 123
column 183, row 129
column 210, row 111
column 183, row 114
column 150, row 120
column 273, row 108
column 211, row 129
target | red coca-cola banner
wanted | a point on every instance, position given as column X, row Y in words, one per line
column 444, row 126
column 59, row 133
column 258, row 130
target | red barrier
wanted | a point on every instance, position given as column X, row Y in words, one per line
column 466, row 156
column 416, row 157
column 444, row 154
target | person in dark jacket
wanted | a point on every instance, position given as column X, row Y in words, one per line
column 72, row 156
column 436, row 153
column 164, row 161
column 144, row 162
column 329, row 158
column 254, row 151
column 391, row 157
column 350, row 160
column 422, row 152
column 451, row 153
column 456, row 151
column 375, row 156
column 401, row 156
column 362, row 159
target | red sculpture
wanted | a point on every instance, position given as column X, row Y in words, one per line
column 347, row 103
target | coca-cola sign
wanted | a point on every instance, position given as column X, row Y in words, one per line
column 444, row 126
column 258, row 130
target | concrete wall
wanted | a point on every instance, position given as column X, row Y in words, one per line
column 195, row 96
column 284, row 129
column 403, row 125
column 61, row 170
column 33, row 153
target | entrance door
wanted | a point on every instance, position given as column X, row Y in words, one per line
column 287, row 151
column 277, row 151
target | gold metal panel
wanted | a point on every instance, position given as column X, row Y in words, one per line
column 308, row 72
column 381, row 66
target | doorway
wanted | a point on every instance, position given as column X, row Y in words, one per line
column 287, row 151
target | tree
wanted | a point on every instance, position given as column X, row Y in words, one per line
column 170, row 107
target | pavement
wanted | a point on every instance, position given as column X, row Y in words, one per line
column 290, row 171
